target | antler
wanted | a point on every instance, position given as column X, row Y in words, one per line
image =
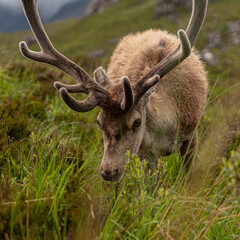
column 187, row 40
column 96, row 93
column 95, row 88
column 127, row 102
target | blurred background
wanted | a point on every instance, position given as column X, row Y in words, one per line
column 49, row 155
column 13, row 19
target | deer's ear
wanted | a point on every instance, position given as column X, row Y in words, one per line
column 101, row 77
column 148, row 94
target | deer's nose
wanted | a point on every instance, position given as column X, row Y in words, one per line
column 109, row 175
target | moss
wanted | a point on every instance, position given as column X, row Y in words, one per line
column 42, row 75
column 17, row 116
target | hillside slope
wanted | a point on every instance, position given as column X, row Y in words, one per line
column 11, row 20
column 74, row 9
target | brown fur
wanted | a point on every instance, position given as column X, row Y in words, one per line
column 178, row 100
column 189, row 78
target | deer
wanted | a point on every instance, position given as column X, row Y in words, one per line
column 151, row 97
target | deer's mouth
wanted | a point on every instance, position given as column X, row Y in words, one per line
column 110, row 176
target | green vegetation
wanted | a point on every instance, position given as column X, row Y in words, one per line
column 49, row 155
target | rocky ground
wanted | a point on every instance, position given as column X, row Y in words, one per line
column 98, row 6
column 222, row 40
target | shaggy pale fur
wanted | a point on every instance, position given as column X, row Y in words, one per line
column 176, row 104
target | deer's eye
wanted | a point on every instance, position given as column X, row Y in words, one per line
column 136, row 124
column 98, row 123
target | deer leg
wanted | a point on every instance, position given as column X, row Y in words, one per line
column 187, row 150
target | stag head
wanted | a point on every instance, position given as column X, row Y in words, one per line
column 122, row 121
column 123, row 106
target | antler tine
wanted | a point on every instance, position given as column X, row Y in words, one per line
column 182, row 51
column 71, row 88
column 51, row 56
column 79, row 106
column 198, row 15
column 127, row 102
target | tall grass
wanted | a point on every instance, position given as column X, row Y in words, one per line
column 51, row 189
column 38, row 165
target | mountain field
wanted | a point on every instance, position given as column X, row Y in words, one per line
column 50, row 187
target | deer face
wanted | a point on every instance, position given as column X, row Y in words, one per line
column 120, row 133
